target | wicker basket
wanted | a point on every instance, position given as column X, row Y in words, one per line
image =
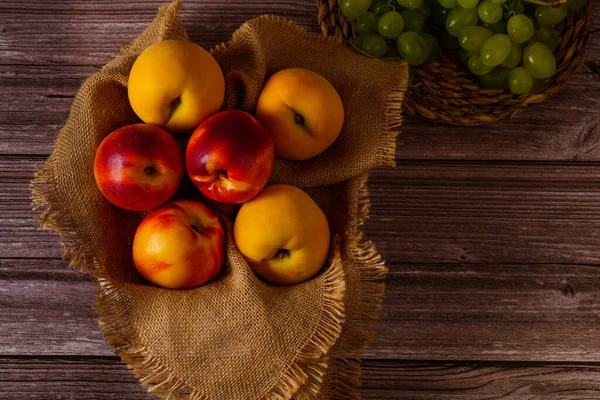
column 447, row 92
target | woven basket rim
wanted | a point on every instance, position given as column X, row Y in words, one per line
column 447, row 92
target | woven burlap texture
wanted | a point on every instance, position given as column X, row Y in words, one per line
column 236, row 337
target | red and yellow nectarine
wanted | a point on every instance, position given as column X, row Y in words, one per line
column 179, row 245
column 138, row 167
column 230, row 157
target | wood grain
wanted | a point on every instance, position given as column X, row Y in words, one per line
column 431, row 311
column 104, row 378
column 487, row 212
column 433, row 381
column 422, row 212
column 491, row 232
column 43, row 62
column 42, row 72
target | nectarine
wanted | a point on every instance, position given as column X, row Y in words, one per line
column 138, row 167
column 179, row 245
column 230, row 157
column 283, row 234
column 175, row 84
column 302, row 111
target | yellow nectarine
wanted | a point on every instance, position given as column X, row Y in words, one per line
column 302, row 111
column 283, row 234
column 175, row 84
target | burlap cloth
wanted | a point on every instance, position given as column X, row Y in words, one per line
column 237, row 337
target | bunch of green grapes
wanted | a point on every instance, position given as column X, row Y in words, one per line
column 509, row 44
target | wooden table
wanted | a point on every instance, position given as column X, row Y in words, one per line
column 492, row 234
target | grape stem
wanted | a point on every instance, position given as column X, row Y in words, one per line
column 552, row 3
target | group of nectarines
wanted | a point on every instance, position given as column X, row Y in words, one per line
column 177, row 87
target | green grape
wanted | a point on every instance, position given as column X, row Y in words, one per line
column 459, row 18
column 514, row 57
column 463, row 57
column 425, row 10
column 538, row 85
column 390, row 25
column 495, row 50
column 367, row 23
column 498, row 27
column 439, row 15
column 489, row 12
column 539, row 60
column 520, row 81
column 391, row 51
column 360, row 39
column 434, row 48
column 410, row 4
column 472, row 37
column 477, row 67
column 448, row 3
column 449, row 42
column 413, row 48
column 548, row 16
column 520, row 28
column 380, row 7
column 497, row 79
column 547, row 36
column 468, row 3
column 374, row 45
column 353, row 9
column 499, row 1
column 413, row 20
column 576, row 4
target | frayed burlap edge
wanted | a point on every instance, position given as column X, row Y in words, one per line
column 314, row 373
column 392, row 115
column 55, row 218
column 306, row 372
column 114, row 322
column 343, row 378
column 342, row 381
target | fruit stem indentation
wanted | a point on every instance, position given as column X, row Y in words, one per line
column 298, row 119
column 282, row 253
column 223, row 174
column 149, row 170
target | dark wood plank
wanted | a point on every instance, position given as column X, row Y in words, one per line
column 422, row 212
column 42, row 64
column 564, row 128
column 490, row 312
column 107, row 378
column 101, row 378
column 47, row 309
column 432, row 381
column 43, row 61
column 431, row 311
column 22, row 235
column 92, row 32
column 487, row 212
